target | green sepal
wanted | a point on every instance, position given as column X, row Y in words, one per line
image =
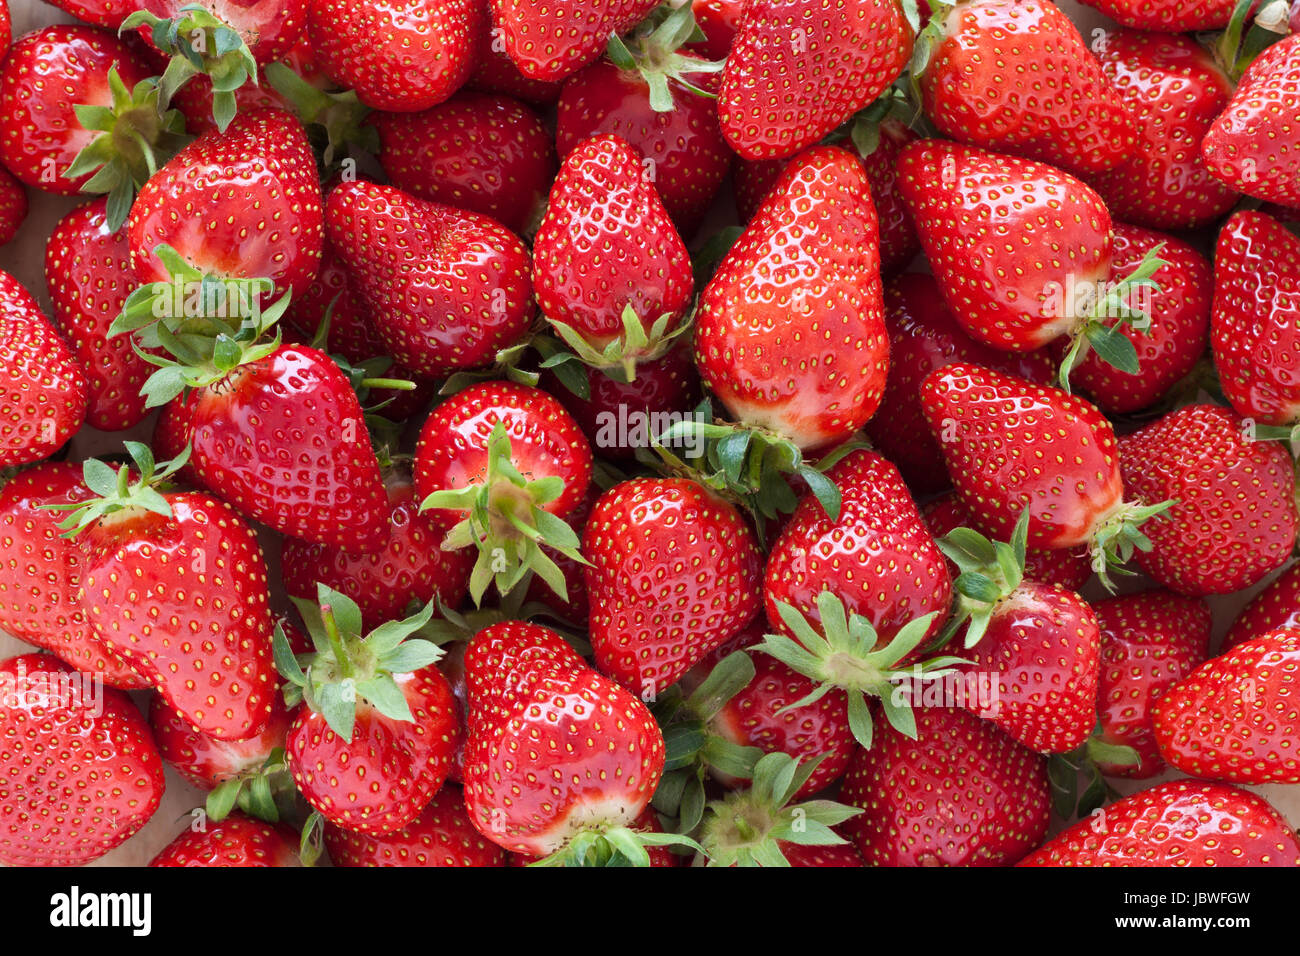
column 138, row 485
column 651, row 51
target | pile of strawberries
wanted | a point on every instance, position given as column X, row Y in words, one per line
column 494, row 490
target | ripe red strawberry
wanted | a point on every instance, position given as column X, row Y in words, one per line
column 13, row 206
column 207, row 762
column 1252, row 145
column 539, row 715
column 550, row 41
column 502, row 466
column 1182, row 823
column 80, row 769
column 6, row 26
column 1175, row 90
column 662, row 598
column 840, row 855
column 1014, row 76
column 102, row 13
column 40, row 574
column 258, row 178
column 1149, row 641
column 718, row 20
column 196, row 100
column 43, row 390
column 603, row 854
column 611, row 273
column 447, row 289
column 235, row 841
column 992, row 428
column 477, row 151
column 175, row 584
column 1277, row 606
column 1235, row 718
column 961, row 793
column 441, row 836
column 270, row 28
column 1234, row 518
column 1255, row 326
column 89, row 276
column 373, row 739
column 410, row 567
column 403, row 55
column 799, row 68
column 1179, row 309
column 495, row 72
column 923, row 336
column 1170, row 16
column 793, row 341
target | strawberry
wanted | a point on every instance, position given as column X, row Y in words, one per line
column 102, row 13
column 1015, row 77
column 447, row 289
column 612, row 275
column 501, row 466
column 198, row 102
column 1234, row 717
column 799, row 68
column 1252, row 145
column 1234, row 518
column 41, row 574
column 602, row 853
column 410, row 567
column 923, row 336
column 13, row 206
column 1170, row 345
column 1170, row 16
column 269, row 28
column 80, row 769
column 718, row 20
column 596, row 746
column 495, row 72
column 961, row 793
column 43, row 389
column 764, row 340
column 6, row 27
column 372, row 739
column 203, row 607
column 481, row 152
column 402, row 55
column 1182, row 823
column 441, row 836
column 839, row 855
column 755, row 827
column 235, row 841
column 1278, row 605
column 207, row 762
column 1174, row 90
column 89, row 275
column 551, row 41
column 992, row 428
column 1255, row 325
column 1149, row 641
column 660, row 598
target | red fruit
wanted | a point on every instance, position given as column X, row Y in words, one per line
column 45, row 75
column 1252, row 146
column 284, row 439
column 1180, row 319
column 80, row 769
column 410, row 567
column 488, row 154
column 441, row 836
column 1175, row 90
column 235, row 841
column 42, row 387
column 1234, row 518
column 1016, row 296
column 790, row 332
column 878, row 557
column 1014, row 76
column 962, row 793
column 245, row 203
column 205, row 761
column 1278, row 605
column 403, row 55
column 102, row 13
column 40, row 574
column 555, row 749
column 195, row 98
column 718, row 20
column 447, row 289
column 923, row 336
column 799, row 68
column 1149, row 641
column 606, row 246
column 1235, row 718
column 495, row 72
column 1172, row 16
column 550, row 41
column 1255, row 327
column 674, row 573
column 270, row 28
column 89, row 276
column 13, row 205
column 842, row 855
column 1182, row 823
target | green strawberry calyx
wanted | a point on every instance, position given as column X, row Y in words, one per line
column 265, row 791
column 652, row 51
column 348, row 666
column 614, row 846
column 618, row 358
column 123, row 491
column 339, row 117
column 1118, row 534
column 1065, row 771
column 989, row 573
column 747, row 827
